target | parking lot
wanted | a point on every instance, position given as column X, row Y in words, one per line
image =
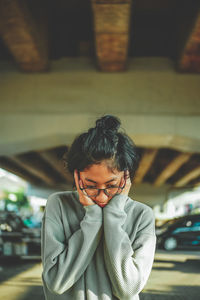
column 175, row 275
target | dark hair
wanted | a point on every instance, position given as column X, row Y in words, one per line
column 101, row 143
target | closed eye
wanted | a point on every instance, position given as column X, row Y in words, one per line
column 112, row 186
column 90, row 187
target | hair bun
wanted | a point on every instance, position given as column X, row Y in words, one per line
column 108, row 123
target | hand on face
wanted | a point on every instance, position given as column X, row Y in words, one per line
column 126, row 190
column 82, row 197
column 102, row 199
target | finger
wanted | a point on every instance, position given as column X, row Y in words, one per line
column 126, row 174
column 124, row 179
column 80, row 183
column 128, row 181
column 127, row 187
column 122, row 182
column 127, row 177
column 76, row 179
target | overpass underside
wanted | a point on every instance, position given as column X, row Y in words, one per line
column 63, row 64
column 159, row 108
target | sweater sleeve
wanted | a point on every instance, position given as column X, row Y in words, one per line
column 128, row 264
column 65, row 260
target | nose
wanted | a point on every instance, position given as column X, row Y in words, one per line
column 102, row 197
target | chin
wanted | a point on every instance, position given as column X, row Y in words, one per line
column 102, row 205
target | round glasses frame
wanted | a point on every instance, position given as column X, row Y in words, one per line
column 104, row 190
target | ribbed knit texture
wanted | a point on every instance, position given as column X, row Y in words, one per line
column 89, row 252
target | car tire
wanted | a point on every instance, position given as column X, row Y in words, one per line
column 170, row 243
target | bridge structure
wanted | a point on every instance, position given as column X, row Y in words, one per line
column 63, row 64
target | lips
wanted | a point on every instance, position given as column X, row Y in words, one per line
column 101, row 204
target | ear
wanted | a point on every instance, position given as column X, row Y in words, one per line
column 123, row 180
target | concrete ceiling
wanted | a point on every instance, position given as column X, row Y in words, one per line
column 115, row 35
column 34, row 32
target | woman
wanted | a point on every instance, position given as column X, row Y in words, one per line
column 97, row 243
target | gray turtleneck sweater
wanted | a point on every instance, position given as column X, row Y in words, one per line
column 95, row 253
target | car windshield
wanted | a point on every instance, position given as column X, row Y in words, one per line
column 168, row 223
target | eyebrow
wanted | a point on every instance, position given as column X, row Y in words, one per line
column 90, row 180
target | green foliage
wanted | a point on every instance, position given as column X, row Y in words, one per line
column 20, row 201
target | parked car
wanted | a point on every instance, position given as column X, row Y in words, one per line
column 183, row 233
column 16, row 239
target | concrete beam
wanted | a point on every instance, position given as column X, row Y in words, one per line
column 172, row 167
column 189, row 60
column 111, row 27
column 12, row 166
column 22, row 132
column 193, row 174
column 150, row 87
column 145, row 163
column 158, row 107
column 37, row 166
column 58, row 164
column 21, row 35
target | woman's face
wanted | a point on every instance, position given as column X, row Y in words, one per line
column 101, row 176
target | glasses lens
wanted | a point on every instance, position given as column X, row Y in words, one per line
column 112, row 191
column 92, row 192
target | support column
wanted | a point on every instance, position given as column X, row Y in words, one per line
column 111, row 26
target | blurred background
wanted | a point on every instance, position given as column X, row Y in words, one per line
column 62, row 65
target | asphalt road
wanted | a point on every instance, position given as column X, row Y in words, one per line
column 174, row 276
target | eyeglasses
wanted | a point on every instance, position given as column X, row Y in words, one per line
column 111, row 191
